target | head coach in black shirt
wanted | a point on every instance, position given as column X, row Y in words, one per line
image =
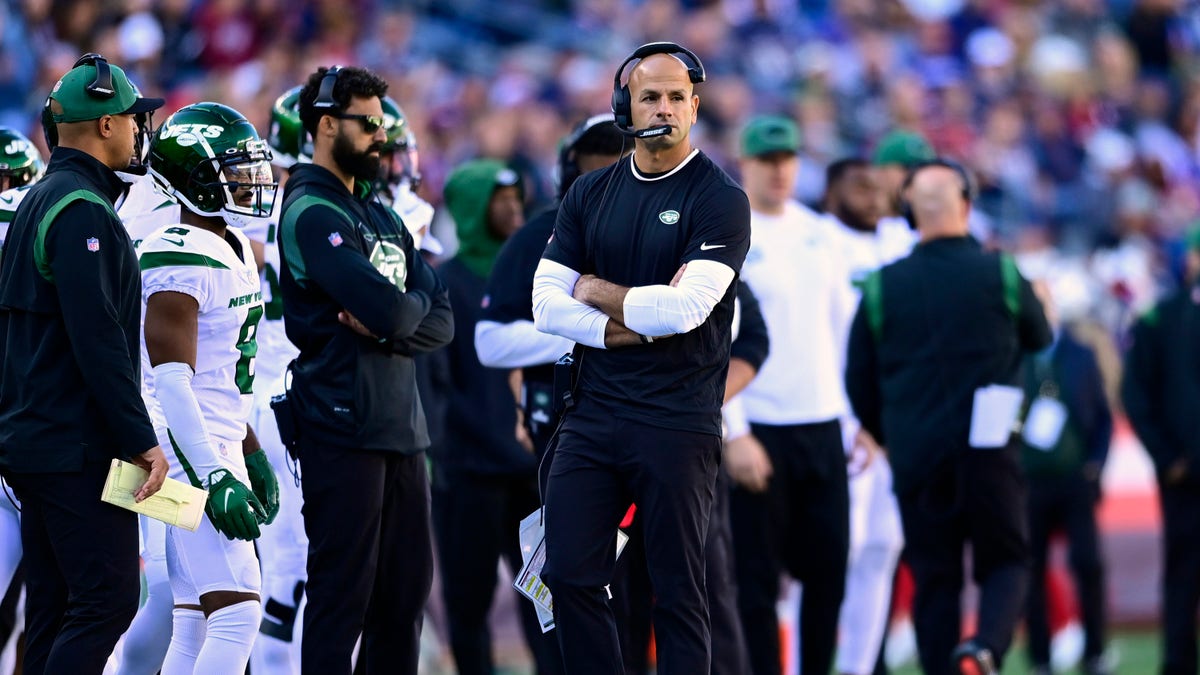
column 359, row 302
column 70, row 391
column 931, row 330
column 641, row 272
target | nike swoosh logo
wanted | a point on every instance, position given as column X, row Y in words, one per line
column 6, row 200
column 169, row 202
column 228, row 494
column 706, row 247
column 179, row 242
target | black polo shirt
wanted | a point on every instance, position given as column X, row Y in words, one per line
column 635, row 229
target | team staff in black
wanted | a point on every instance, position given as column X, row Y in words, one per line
column 359, row 301
column 1161, row 394
column 1068, row 429
column 70, row 389
column 505, row 336
column 484, row 479
column 930, row 330
column 641, row 272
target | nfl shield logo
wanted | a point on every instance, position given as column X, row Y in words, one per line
column 335, row 239
column 93, row 244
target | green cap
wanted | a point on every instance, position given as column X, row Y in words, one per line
column 80, row 105
column 769, row 135
column 903, row 147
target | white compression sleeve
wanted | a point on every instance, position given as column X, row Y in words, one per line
column 733, row 414
column 517, row 344
column 667, row 310
column 555, row 311
column 173, row 388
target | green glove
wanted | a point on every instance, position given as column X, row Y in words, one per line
column 264, row 483
column 232, row 507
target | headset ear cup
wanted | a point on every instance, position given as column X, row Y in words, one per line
column 622, row 113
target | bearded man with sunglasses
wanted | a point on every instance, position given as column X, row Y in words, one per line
column 70, row 401
column 359, row 302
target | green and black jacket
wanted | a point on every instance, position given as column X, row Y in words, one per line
column 70, row 323
column 930, row 330
column 349, row 252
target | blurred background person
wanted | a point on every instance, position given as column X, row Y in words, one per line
column 1067, row 432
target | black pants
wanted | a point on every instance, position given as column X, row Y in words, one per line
column 1181, row 576
column 980, row 498
column 633, row 595
column 1068, row 503
column 370, row 563
column 476, row 519
column 601, row 464
column 801, row 524
column 633, row 602
column 81, row 570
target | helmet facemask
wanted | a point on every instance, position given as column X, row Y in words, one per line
column 242, row 178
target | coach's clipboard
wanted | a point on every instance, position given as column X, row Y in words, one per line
column 176, row 503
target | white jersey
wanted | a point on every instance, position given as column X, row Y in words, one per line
column 198, row 263
column 799, row 278
column 275, row 351
column 145, row 208
column 865, row 252
column 9, row 201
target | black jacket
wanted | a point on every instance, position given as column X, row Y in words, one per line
column 344, row 252
column 1161, row 389
column 481, row 414
column 946, row 331
column 70, row 316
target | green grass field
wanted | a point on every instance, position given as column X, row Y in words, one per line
column 1137, row 654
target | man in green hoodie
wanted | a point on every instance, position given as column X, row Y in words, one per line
column 484, row 479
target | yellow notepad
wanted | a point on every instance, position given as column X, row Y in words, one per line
column 177, row 503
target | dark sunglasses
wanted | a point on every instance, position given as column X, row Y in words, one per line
column 370, row 123
column 102, row 86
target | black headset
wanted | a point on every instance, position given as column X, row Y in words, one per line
column 101, row 87
column 325, row 100
column 622, row 107
column 567, row 170
column 967, row 192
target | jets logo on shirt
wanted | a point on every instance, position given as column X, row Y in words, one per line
column 391, row 262
column 669, row 217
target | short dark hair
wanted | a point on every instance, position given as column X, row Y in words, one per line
column 838, row 170
column 351, row 82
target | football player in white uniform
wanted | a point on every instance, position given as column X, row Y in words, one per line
column 852, row 206
column 202, row 306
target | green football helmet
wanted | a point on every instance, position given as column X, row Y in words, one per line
column 20, row 161
column 398, row 160
column 287, row 138
column 210, row 158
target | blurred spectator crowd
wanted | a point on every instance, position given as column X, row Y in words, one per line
column 1080, row 118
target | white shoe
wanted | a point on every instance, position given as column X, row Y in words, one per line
column 1066, row 647
column 901, row 649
